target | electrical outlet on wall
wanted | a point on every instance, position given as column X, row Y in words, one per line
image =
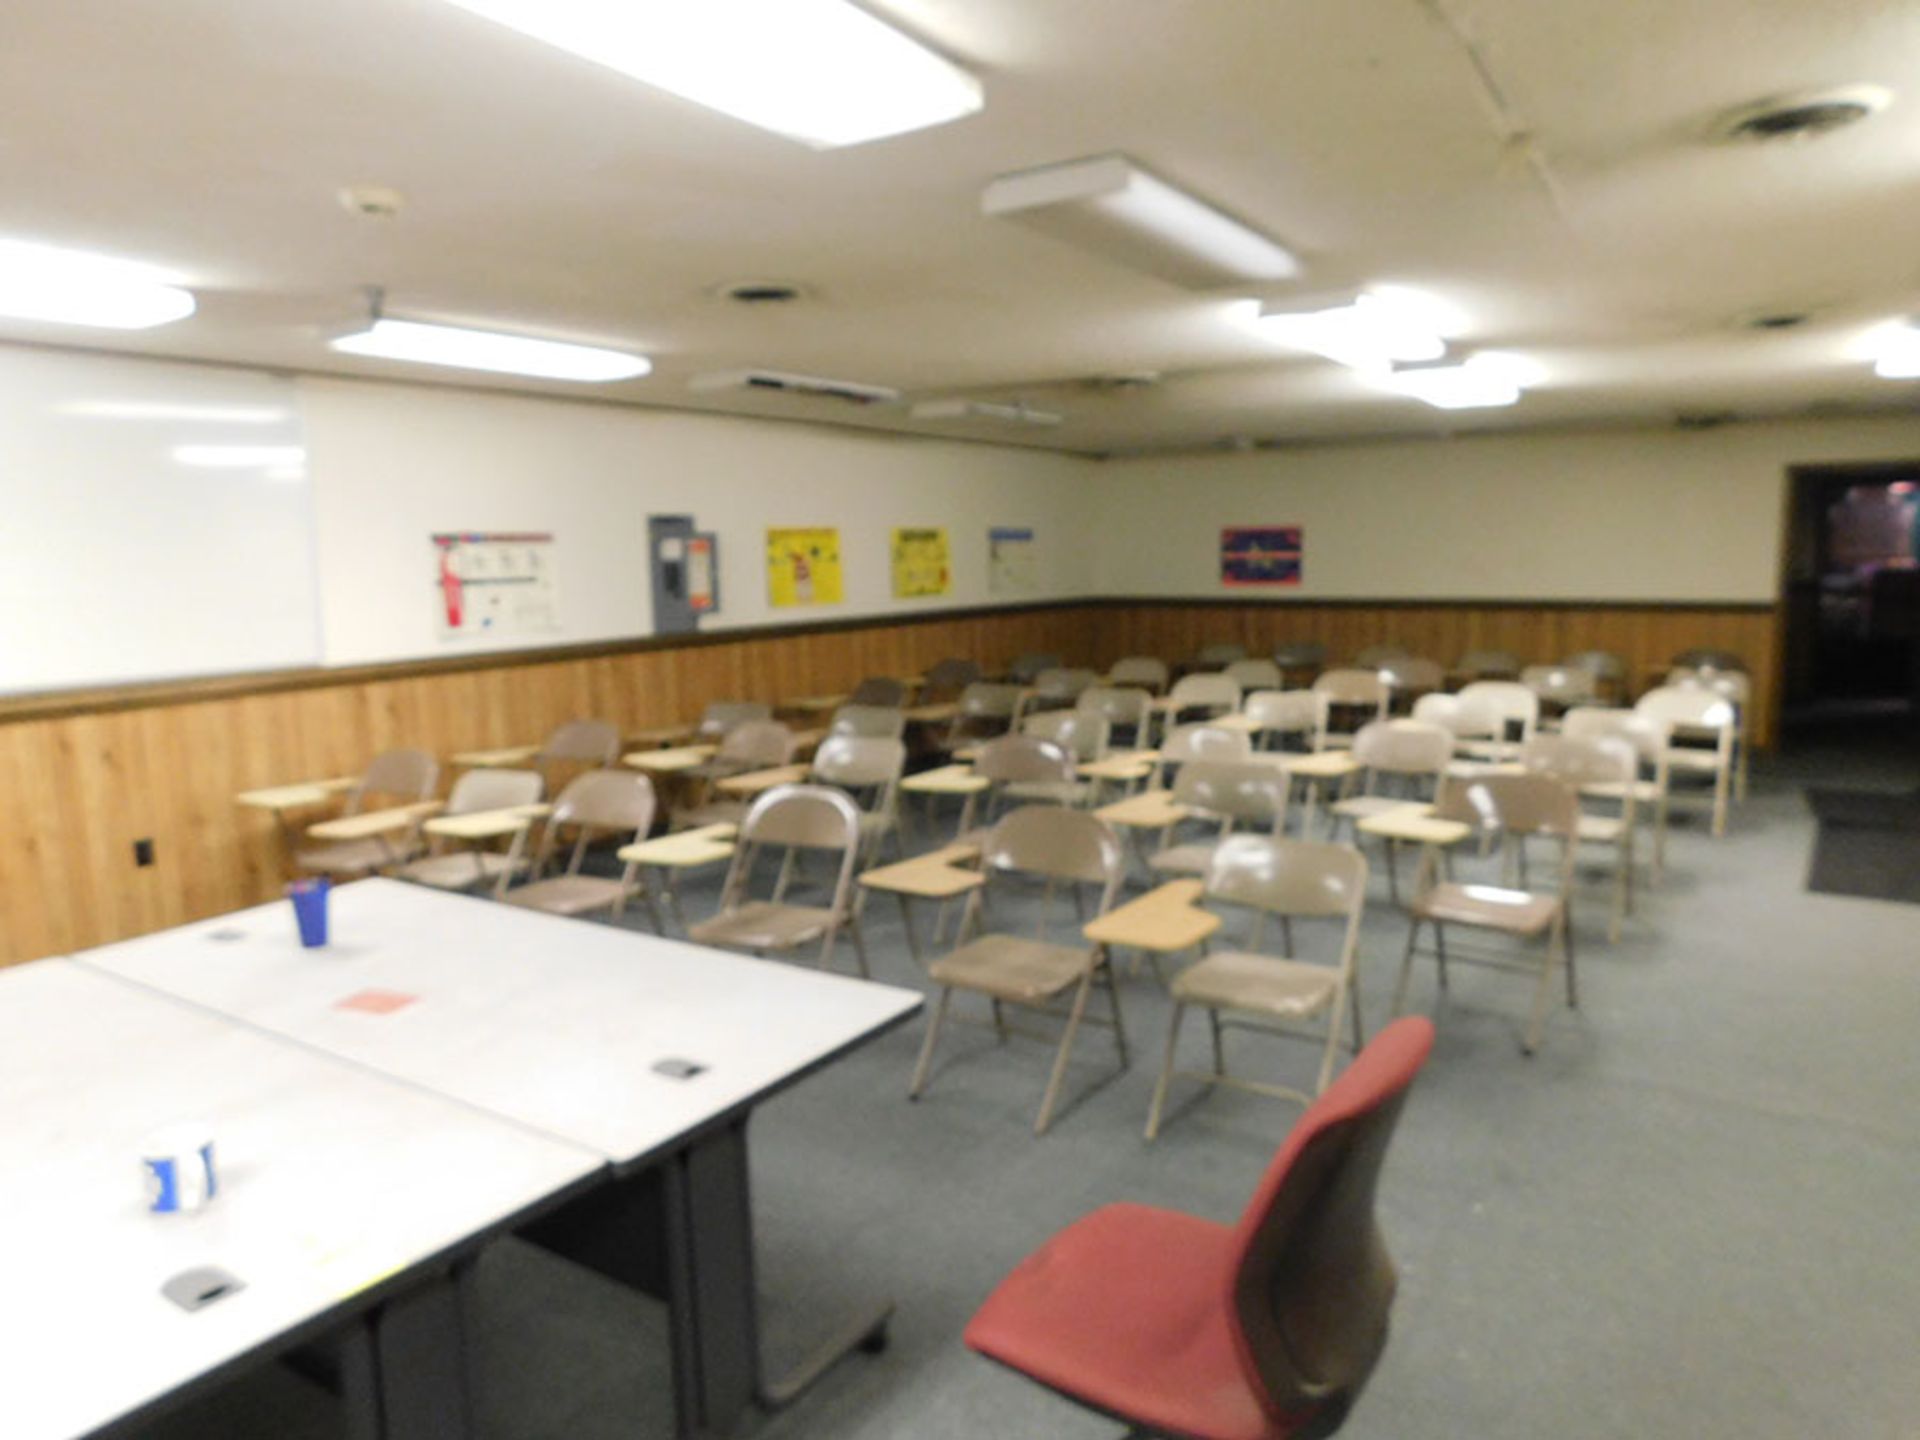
column 143, row 853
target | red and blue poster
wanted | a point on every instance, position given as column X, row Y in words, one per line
column 1260, row 555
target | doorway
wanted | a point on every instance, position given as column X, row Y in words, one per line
column 1852, row 599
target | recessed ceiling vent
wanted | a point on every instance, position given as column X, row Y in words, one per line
column 1124, row 380
column 783, row 382
column 1775, row 320
column 1804, row 116
column 762, row 292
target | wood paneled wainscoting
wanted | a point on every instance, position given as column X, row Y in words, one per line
column 84, row 776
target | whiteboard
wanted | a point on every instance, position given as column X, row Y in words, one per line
column 156, row 521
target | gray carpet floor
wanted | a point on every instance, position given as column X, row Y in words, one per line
column 1695, row 1213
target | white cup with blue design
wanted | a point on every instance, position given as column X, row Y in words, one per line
column 180, row 1175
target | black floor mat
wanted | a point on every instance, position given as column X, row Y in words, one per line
column 1868, row 846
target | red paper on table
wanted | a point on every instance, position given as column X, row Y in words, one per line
column 376, row 1002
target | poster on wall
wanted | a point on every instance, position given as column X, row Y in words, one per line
column 803, row 567
column 489, row 583
column 921, row 563
column 1260, row 555
column 1010, row 563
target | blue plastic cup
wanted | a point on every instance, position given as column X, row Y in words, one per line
column 310, row 910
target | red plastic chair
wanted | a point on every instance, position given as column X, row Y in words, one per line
column 1267, row 1328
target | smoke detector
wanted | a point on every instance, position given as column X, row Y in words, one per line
column 1774, row 320
column 1802, row 116
column 762, row 292
column 376, row 202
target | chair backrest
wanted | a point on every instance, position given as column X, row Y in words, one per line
column 599, row 801
column 1530, row 804
column 1062, row 684
column 887, row 722
column 1025, row 668
column 989, row 700
column 1255, row 675
column 723, row 716
column 1488, row 665
column 1582, row 760
column 1220, row 654
column 1311, row 1283
column 879, row 690
column 1601, row 664
column 951, row 676
column 1240, row 792
column 588, row 742
column 1083, row 734
column 1201, row 741
column 1689, row 705
column 1145, row 671
column 796, row 817
column 1412, row 675
column 1559, row 684
column 1118, row 705
column 756, row 743
column 1300, row 655
column 1463, row 719
column 1595, row 722
column 1059, row 844
column 478, row 790
column 401, row 775
column 1733, row 685
column 1511, row 703
column 1287, row 710
column 861, row 762
column 1352, row 687
column 1403, row 747
column 1023, row 759
column 1219, row 693
column 1289, row 877
column 1374, row 656
column 1708, row 659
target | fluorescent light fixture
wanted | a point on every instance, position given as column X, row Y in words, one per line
column 1109, row 205
column 72, row 287
column 240, row 457
column 1013, row 414
column 823, row 72
column 1484, row 381
column 491, row 351
column 1374, row 330
column 163, row 410
column 1896, row 352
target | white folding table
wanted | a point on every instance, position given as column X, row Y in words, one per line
column 348, row 1207
column 650, row 1052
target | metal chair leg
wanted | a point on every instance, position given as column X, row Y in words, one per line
column 1166, row 1072
column 933, row 1037
column 1066, row 1048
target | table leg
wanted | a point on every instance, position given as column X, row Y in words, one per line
column 404, row 1369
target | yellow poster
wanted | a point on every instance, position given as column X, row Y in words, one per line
column 920, row 563
column 803, row 567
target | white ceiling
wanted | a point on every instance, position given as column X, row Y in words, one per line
column 549, row 195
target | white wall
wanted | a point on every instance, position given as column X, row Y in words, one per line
column 395, row 464
column 1614, row 515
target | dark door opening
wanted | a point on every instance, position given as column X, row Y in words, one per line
column 1852, row 597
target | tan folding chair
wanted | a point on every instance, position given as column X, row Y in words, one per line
column 1301, row 658
column 1515, row 711
column 1122, row 707
column 1255, row 675
column 1082, row 736
column 1025, row 669
column 1487, row 665
column 1407, row 677
column 1199, row 741
column 1472, row 725
column 593, row 807
column 869, row 769
column 1024, row 760
column 1607, row 765
column 1058, row 689
column 1736, row 689
column 722, row 717
column 1687, row 711
column 1608, row 670
column 883, row 691
column 1277, row 714
column 1708, row 659
column 1518, row 808
column 1356, row 689
column 1211, row 695
column 791, row 818
column 1145, row 672
column 1056, row 847
column 1286, row 880
column 580, row 742
column 1219, row 655
column 1410, row 756
column 1648, row 740
column 1559, row 688
column 1374, row 656
column 875, row 722
column 393, row 777
column 947, row 678
column 985, row 708
column 475, row 793
column 749, row 745
column 1222, row 795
